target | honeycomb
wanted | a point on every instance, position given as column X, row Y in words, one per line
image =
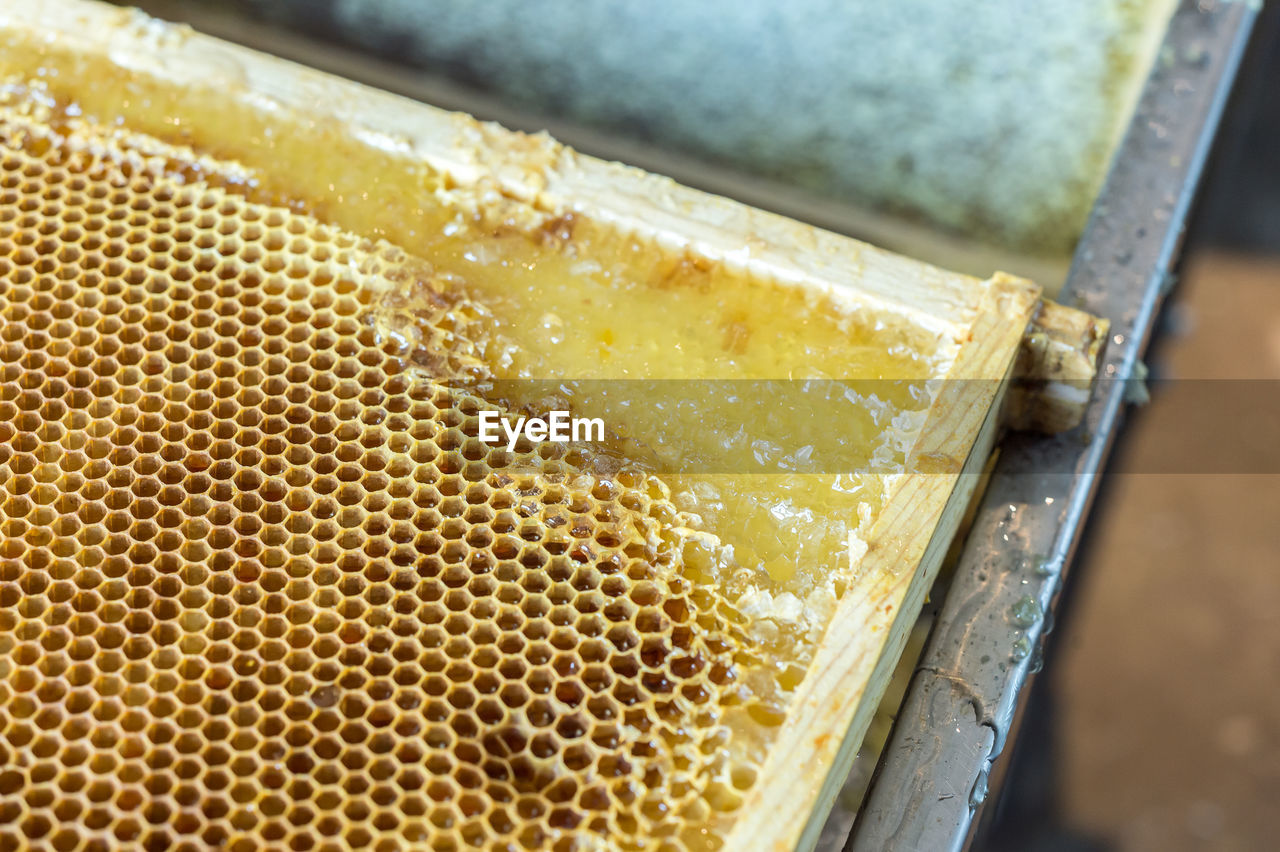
column 261, row 585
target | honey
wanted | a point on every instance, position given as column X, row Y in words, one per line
column 262, row 586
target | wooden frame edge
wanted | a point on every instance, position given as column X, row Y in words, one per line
column 818, row 741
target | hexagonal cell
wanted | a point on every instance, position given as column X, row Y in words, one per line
column 263, row 585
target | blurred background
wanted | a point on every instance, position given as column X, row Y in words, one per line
column 975, row 136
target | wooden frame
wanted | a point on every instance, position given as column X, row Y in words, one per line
column 393, row 139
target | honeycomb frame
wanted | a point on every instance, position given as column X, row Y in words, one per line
column 382, row 152
column 260, row 582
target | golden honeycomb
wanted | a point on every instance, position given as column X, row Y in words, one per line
column 261, row 585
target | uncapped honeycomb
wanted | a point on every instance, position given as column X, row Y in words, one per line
column 261, row 585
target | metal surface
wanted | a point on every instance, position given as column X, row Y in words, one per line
column 984, row 648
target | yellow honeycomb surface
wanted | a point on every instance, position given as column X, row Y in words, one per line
column 260, row 584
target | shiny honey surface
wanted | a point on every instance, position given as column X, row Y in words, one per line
column 261, row 585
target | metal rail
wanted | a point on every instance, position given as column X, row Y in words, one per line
column 961, row 703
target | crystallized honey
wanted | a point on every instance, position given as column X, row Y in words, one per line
column 261, row 584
